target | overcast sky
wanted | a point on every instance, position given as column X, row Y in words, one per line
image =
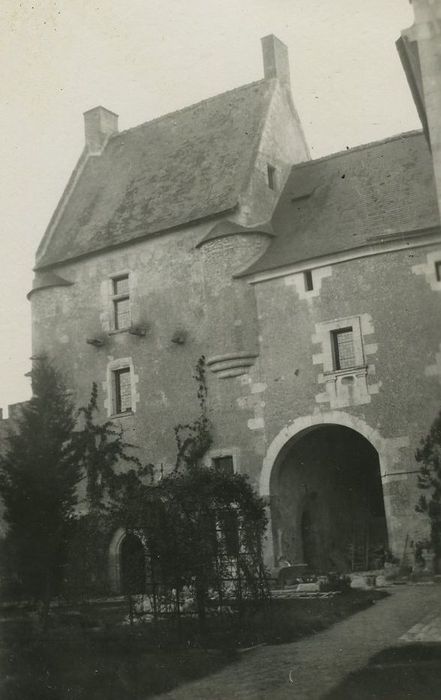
column 143, row 58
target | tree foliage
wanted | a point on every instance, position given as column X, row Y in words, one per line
column 428, row 455
column 196, row 522
column 101, row 450
column 39, row 474
column 52, row 450
column 193, row 521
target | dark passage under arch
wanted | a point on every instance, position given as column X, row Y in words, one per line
column 327, row 501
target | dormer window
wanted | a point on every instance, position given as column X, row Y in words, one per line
column 121, row 302
column 309, row 284
column 271, row 175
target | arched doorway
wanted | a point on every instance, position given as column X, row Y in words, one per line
column 327, row 500
column 127, row 564
column 132, row 565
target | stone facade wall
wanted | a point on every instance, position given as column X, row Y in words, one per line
column 391, row 399
column 166, row 299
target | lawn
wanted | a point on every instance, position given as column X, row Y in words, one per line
column 123, row 663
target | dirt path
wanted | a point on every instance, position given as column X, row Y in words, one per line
column 310, row 668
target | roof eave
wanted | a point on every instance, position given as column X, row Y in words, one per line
column 133, row 241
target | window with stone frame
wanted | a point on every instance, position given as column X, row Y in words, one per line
column 121, row 302
column 122, row 390
column 343, row 348
column 341, row 342
column 438, row 270
column 223, row 463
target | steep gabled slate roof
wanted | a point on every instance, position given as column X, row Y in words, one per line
column 351, row 199
column 170, row 171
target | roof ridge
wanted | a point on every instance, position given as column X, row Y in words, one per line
column 195, row 104
column 360, row 147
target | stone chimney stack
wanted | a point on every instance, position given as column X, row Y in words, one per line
column 425, row 33
column 276, row 60
column 426, row 11
column 99, row 124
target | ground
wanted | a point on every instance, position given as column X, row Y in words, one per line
column 371, row 655
column 390, row 650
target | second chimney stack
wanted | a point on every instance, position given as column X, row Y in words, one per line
column 99, row 124
column 276, row 60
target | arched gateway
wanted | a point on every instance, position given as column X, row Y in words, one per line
column 323, row 479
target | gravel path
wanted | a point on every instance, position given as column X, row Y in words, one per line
column 308, row 669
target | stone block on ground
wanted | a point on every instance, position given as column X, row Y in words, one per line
column 363, row 581
column 308, row 587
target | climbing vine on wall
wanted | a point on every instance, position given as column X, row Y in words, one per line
column 194, row 439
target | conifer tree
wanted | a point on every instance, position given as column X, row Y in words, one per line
column 54, row 455
column 39, row 473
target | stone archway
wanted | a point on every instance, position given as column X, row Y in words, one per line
column 388, row 449
column 127, row 563
column 381, row 453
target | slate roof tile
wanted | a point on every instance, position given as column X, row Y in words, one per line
column 348, row 199
column 170, row 171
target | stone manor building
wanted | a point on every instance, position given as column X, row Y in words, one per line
column 312, row 288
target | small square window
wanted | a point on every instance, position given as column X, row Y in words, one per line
column 309, row 284
column 343, row 348
column 122, row 313
column 224, row 464
column 271, row 172
column 121, row 285
column 122, row 390
column 121, row 302
column 438, row 270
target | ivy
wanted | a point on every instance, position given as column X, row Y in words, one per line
column 194, row 439
column 100, row 449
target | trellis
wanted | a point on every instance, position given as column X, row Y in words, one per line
column 238, row 579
